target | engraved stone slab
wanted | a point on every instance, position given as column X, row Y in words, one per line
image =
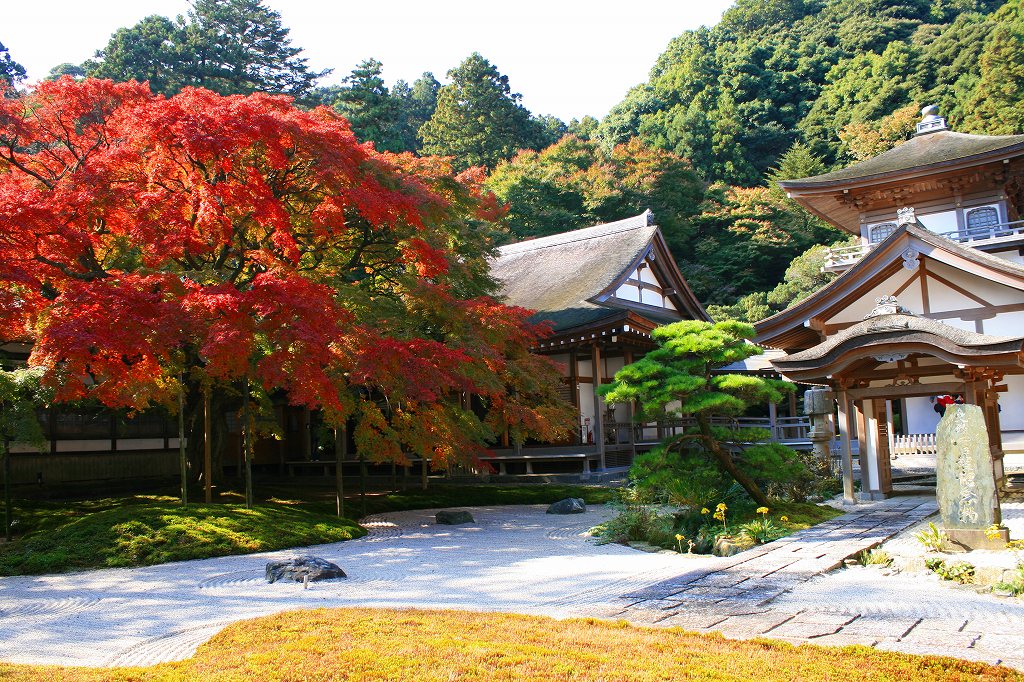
column 965, row 479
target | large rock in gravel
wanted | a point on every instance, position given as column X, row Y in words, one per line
column 297, row 568
column 570, row 505
column 453, row 518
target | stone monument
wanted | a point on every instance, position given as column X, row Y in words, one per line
column 965, row 485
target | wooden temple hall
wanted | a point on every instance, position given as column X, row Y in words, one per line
column 928, row 307
column 602, row 289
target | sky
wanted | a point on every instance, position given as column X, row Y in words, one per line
column 568, row 58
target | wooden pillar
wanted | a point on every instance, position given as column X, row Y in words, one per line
column 627, row 359
column 792, row 404
column 574, row 393
column 995, row 430
column 773, row 421
column 846, row 447
column 595, row 361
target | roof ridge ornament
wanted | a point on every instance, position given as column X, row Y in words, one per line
column 887, row 305
column 930, row 121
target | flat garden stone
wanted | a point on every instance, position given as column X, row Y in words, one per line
column 453, row 518
column 302, row 568
column 570, row 505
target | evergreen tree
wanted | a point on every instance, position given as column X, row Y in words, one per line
column 478, row 120
column 997, row 100
column 682, row 371
column 153, row 50
column 415, row 105
column 369, row 107
column 11, row 72
column 228, row 46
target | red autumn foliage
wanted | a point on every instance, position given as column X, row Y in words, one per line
column 228, row 238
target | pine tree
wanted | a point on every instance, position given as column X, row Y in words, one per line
column 478, row 120
column 11, row 72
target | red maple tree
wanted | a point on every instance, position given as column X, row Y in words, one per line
column 212, row 240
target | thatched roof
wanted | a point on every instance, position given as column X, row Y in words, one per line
column 562, row 276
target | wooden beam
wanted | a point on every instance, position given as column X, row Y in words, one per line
column 969, row 314
column 911, row 391
column 926, row 306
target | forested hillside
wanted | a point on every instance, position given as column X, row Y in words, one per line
column 777, row 89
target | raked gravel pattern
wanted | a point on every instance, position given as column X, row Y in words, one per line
column 520, row 559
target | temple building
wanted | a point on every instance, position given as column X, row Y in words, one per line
column 602, row 290
column 928, row 307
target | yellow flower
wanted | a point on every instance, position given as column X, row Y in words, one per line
column 992, row 532
column 784, row 519
column 719, row 515
column 680, row 538
column 762, row 510
column 721, row 506
column 705, row 510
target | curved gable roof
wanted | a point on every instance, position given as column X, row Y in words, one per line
column 880, row 335
column 788, row 329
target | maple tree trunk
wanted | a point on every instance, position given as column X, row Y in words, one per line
column 247, row 445
column 340, row 450
column 182, row 455
column 726, row 463
column 8, row 515
column 207, row 449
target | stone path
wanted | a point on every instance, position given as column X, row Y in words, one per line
column 520, row 559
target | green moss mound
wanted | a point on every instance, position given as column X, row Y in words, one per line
column 143, row 532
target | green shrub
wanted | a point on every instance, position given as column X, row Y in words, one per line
column 1015, row 586
column 958, row 571
column 933, row 539
column 761, row 531
column 874, row 557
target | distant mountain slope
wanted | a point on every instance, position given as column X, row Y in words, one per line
column 734, row 98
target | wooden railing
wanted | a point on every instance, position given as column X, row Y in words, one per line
column 843, row 257
column 785, row 429
column 914, row 444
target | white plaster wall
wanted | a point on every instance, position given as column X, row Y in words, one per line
column 1012, row 256
column 1012, row 402
column 586, row 402
column 871, row 425
column 956, row 322
column 861, row 307
column 613, row 365
column 921, row 416
column 944, row 221
column 586, row 368
column 651, row 297
column 1006, row 324
column 628, row 292
column 647, row 275
column 992, row 292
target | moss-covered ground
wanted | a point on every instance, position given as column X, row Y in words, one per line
column 439, row 646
